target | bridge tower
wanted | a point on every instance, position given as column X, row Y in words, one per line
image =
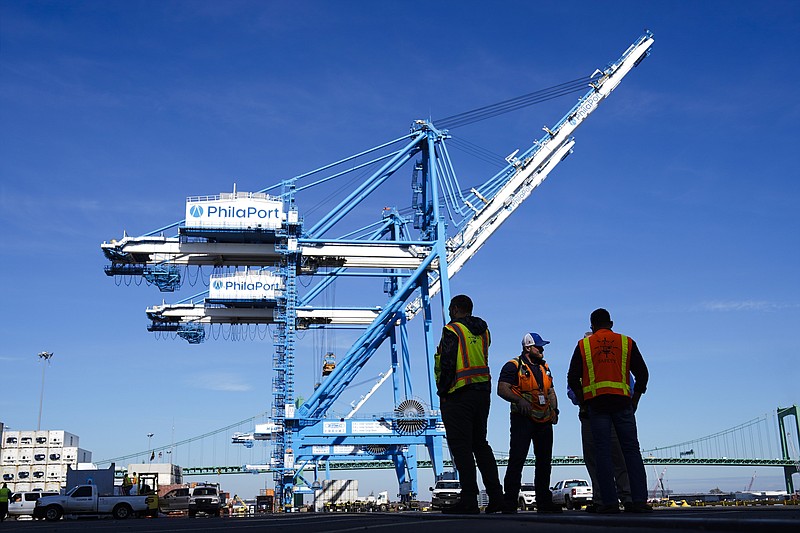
column 789, row 471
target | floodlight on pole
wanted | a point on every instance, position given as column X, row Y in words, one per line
column 45, row 357
column 149, row 439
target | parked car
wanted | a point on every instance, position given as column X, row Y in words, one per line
column 527, row 497
column 175, row 500
column 21, row 504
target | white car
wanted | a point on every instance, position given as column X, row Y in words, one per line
column 527, row 497
column 22, row 503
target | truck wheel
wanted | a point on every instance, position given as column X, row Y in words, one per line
column 192, row 514
column 53, row 513
column 122, row 511
column 568, row 503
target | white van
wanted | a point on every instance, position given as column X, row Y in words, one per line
column 21, row 504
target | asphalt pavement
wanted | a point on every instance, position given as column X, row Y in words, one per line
column 774, row 519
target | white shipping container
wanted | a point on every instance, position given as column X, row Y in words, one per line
column 37, row 485
column 238, row 210
column 58, row 438
column 53, row 485
column 338, row 491
column 54, row 455
column 38, row 473
column 10, row 439
column 55, row 473
column 9, row 474
column 84, row 456
column 10, row 456
column 26, row 439
column 22, row 486
column 247, row 285
column 168, row 474
column 70, row 455
column 23, row 474
column 25, row 456
column 40, row 456
column 41, row 438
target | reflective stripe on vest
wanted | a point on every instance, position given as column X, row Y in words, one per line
column 473, row 355
column 528, row 388
column 592, row 387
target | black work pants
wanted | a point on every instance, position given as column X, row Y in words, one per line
column 523, row 432
column 465, row 414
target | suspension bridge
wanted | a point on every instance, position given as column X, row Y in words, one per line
column 764, row 441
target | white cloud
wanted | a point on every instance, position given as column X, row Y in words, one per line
column 745, row 305
column 219, row 381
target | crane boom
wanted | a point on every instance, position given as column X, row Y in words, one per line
column 529, row 170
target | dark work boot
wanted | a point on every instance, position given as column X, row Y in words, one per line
column 495, row 503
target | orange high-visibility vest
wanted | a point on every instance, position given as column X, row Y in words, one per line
column 606, row 366
column 528, row 388
column 472, row 361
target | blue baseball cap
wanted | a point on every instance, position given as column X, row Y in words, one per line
column 533, row 339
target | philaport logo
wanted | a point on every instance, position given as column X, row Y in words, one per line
column 196, row 211
column 217, row 285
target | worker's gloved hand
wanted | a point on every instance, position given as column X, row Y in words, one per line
column 523, row 407
column 572, row 396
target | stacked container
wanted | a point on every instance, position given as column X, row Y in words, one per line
column 34, row 460
column 336, row 491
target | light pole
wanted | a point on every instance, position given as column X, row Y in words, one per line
column 45, row 357
column 149, row 439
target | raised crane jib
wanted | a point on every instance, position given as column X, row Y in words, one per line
column 527, row 171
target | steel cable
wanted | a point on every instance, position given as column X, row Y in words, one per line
column 512, row 104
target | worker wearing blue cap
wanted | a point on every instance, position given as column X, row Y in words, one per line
column 526, row 383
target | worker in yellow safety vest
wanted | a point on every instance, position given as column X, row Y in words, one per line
column 5, row 496
column 463, row 383
column 600, row 377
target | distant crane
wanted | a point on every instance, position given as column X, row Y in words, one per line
column 660, row 482
column 750, row 485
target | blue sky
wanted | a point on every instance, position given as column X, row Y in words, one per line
column 677, row 210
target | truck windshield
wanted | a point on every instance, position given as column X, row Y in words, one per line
column 448, row 485
column 205, row 492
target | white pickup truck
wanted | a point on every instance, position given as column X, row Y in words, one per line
column 445, row 494
column 572, row 493
column 84, row 500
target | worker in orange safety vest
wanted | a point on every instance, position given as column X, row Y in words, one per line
column 527, row 384
column 600, row 376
